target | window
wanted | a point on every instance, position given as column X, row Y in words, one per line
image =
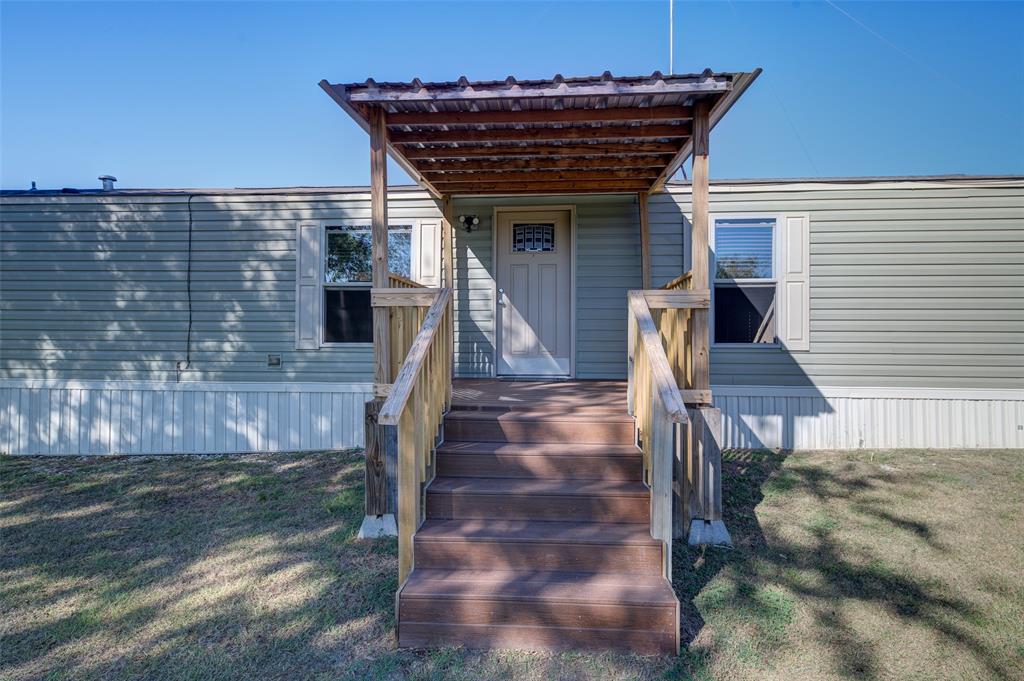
column 533, row 238
column 348, row 268
column 745, row 283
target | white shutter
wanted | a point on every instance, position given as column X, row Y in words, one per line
column 426, row 253
column 794, row 302
column 307, row 286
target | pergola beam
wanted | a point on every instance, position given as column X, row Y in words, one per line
column 543, row 163
column 651, row 113
column 372, row 94
column 441, row 180
column 604, row 132
column 608, row 186
column 562, row 150
column 364, row 123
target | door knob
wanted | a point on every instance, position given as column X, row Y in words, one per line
column 501, row 296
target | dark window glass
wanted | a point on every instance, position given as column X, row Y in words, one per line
column 533, row 238
column 347, row 316
column 740, row 313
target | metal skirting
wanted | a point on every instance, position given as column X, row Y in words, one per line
column 126, row 417
column 94, row 417
column 834, row 418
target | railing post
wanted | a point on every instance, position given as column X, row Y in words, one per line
column 661, row 434
column 408, row 494
column 702, row 497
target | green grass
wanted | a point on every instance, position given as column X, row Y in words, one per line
column 875, row 565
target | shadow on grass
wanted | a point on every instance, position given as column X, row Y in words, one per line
column 220, row 567
column 749, row 592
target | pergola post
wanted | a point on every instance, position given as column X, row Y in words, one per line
column 699, row 242
column 701, row 504
column 645, row 240
column 447, row 245
column 381, row 441
column 379, row 228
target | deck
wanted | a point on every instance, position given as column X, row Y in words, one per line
column 540, row 396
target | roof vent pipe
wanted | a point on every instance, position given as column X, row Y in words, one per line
column 108, row 182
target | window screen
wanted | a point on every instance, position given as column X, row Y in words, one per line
column 533, row 238
column 743, row 249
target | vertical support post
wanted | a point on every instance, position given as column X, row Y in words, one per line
column 447, row 242
column 702, row 495
column 645, row 239
column 379, row 229
column 699, row 240
column 380, row 440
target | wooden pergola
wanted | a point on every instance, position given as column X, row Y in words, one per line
column 594, row 134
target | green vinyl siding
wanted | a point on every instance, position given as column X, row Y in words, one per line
column 914, row 284
column 94, row 286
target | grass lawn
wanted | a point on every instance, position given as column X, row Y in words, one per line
column 887, row 565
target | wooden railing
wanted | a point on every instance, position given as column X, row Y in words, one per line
column 681, row 461
column 416, row 404
column 398, row 281
column 657, row 406
column 403, row 322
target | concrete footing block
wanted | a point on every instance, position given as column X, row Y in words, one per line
column 711, row 534
column 377, row 526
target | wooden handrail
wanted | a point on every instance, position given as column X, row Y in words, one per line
column 416, row 404
column 402, row 388
column 682, row 282
column 398, row 281
column 664, row 381
column 654, row 400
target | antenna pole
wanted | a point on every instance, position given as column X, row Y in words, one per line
column 670, row 55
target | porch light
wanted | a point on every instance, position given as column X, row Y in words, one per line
column 468, row 222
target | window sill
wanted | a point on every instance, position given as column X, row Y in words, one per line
column 746, row 345
column 335, row 346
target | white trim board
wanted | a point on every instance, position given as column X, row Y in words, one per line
column 201, row 386
column 867, row 392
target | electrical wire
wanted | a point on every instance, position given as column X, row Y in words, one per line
column 183, row 366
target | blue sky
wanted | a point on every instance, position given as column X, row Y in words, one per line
column 196, row 94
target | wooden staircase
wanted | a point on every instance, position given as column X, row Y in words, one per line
column 537, row 536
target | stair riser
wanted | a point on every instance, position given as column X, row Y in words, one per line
column 650, row 618
column 539, row 466
column 614, row 509
column 489, row 637
column 487, row 555
column 541, row 431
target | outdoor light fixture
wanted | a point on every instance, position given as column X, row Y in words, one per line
column 468, row 222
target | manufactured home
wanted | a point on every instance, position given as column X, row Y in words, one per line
column 543, row 345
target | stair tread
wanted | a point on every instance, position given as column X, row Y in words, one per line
column 530, row 585
column 545, row 415
column 537, row 449
column 536, row 531
column 514, row 486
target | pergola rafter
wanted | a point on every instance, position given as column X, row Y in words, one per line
column 510, row 134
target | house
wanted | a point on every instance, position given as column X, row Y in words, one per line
column 544, row 241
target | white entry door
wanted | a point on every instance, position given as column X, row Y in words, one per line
column 534, row 304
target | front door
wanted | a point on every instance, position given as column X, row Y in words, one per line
column 534, row 303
